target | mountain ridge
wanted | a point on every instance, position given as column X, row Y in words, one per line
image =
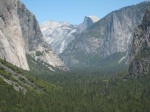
column 59, row 34
column 109, row 36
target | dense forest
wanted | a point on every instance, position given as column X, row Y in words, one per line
column 79, row 92
column 102, row 77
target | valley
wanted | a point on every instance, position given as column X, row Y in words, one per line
column 99, row 65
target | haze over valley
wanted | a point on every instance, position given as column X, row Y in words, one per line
column 100, row 64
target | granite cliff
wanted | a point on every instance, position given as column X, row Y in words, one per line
column 20, row 34
column 59, row 34
column 88, row 21
column 140, row 51
column 105, row 43
column 11, row 41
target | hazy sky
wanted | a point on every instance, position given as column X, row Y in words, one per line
column 73, row 11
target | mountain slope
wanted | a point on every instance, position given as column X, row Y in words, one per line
column 59, row 34
column 140, row 51
column 34, row 41
column 20, row 34
column 76, row 93
column 108, row 37
column 20, row 92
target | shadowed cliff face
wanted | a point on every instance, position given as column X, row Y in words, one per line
column 30, row 29
column 140, row 51
column 34, row 40
column 109, row 36
column 20, row 34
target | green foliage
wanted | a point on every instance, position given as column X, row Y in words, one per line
column 79, row 92
column 11, row 66
column 106, row 93
column 22, row 79
column 6, row 74
column 94, row 63
column 39, row 53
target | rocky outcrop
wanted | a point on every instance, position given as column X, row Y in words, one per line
column 20, row 34
column 109, row 36
column 11, row 41
column 88, row 21
column 48, row 56
column 140, row 52
column 58, row 34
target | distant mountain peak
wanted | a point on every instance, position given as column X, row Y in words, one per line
column 59, row 34
column 88, row 21
column 93, row 18
column 106, row 41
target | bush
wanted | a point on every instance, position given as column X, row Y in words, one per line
column 1, row 68
column 5, row 74
column 22, row 79
column 38, row 53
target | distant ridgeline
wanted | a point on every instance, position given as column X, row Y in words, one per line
column 105, row 45
column 140, row 51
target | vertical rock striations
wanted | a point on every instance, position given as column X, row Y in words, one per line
column 20, row 34
column 140, row 51
column 34, row 40
column 108, row 37
column 11, row 41
column 30, row 29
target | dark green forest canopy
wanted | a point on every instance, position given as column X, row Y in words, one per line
column 79, row 92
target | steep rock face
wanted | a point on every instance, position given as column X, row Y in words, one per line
column 20, row 34
column 58, row 34
column 11, row 41
column 48, row 56
column 88, row 21
column 109, row 36
column 34, row 40
column 30, row 29
column 140, row 51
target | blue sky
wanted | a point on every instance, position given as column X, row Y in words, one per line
column 73, row 11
